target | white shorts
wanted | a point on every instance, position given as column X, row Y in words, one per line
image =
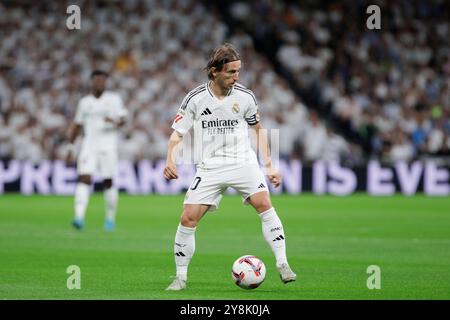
column 102, row 161
column 209, row 185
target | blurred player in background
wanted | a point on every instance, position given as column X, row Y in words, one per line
column 219, row 113
column 99, row 114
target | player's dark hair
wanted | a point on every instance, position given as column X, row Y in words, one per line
column 98, row 72
column 220, row 56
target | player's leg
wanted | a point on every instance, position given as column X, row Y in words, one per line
column 85, row 168
column 203, row 195
column 111, row 196
column 184, row 246
column 273, row 232
column 108, row 167
column 82, row 192
column 250, row 182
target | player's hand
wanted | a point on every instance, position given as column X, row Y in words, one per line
column 170, row 171
column 70, row 158
column 70, row 154
column 274, row 178
column 110, row 120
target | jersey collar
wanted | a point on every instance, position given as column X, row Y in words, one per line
column 212, row 94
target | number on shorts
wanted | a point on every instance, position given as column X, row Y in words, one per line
column 196, row 182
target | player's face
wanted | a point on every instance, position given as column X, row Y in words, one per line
column 229, row 74
column 98, row 83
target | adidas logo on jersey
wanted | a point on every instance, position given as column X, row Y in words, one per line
column 206, row 112
column 261, row 186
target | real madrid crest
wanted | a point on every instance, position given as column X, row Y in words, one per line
column 235, row 108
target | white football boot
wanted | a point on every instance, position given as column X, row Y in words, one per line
column 177, row 285
column 286, row 274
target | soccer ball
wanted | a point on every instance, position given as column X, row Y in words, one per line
column 248, row 272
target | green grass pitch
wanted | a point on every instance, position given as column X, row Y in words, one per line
column 330, row 243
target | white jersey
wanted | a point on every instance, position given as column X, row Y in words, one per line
column 91, row 113
column 220, row 127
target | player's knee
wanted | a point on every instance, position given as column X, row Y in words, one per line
column 188, row 219
column 263, row 205
column 86, row 179
column 107, row 183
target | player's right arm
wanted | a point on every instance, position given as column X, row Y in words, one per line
column 73, row 132
column 181, row 124
column 170, row 171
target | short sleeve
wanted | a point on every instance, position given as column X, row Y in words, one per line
column 252, row 114
column 184, row 118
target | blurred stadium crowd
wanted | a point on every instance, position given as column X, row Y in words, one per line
column 387, row 89
column 334, row 89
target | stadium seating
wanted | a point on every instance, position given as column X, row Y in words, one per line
column 156, row 55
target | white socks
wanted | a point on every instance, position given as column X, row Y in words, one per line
column 82, row 192
column 184, row 249
column 81, row 200
column 111, row 198
column 274, row 234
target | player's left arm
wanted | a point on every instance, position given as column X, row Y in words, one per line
column 120, row 114
column 119, row 122
column 264, row 151
column 253, row 120
column 74, row 131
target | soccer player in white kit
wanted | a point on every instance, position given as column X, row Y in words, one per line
column 99, row 114
column 219, row 113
